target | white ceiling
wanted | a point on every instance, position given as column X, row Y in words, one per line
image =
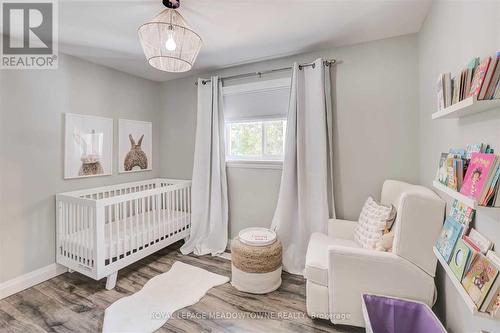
column 233, row 31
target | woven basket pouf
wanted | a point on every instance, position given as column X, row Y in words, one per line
column 256, row 269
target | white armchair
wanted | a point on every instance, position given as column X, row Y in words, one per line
column 338, row 271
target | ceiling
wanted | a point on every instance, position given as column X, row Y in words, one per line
column 233, row 31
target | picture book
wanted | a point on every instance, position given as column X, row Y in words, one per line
column 490, row 182
column 442, row 173
column 497, row 91
column 495, row 260
column 461, row 93
column 451, row 170
column 450, row 233
column 474, row 251
column 494, row 79
column 479, row 279
column 474, row 148
column 468, row 75
column 494, row 307
column 447, row 89
column 487, row 78
column 462, row 213
column 479, row 76
column 471, row 243
column 459, row 259
column 482, row 242
column 477, row 173
column 440, row 92
column 492, row 189
column 455, row 82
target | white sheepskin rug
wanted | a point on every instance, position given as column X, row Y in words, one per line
column 151, row 307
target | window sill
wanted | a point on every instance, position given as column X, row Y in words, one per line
column 254, row 164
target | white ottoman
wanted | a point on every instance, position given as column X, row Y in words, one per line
column 256, row 257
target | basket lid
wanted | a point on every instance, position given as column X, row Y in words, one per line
column 257, row 236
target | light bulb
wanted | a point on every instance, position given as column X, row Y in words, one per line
column 170, row 44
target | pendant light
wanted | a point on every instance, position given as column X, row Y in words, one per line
column 168, row 42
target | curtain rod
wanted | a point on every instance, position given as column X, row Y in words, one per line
column 259, row 74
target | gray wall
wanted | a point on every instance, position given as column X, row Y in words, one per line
column 32, row 104
column 452, row 34
column 376, row 129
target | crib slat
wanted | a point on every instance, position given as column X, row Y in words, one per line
column 164, row 213
column 124, row 223
column 136, row 208
column 110, row 238
column 183, row 208
column 158, row 211
column 129, row 220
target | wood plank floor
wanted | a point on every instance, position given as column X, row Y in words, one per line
column 74, row 303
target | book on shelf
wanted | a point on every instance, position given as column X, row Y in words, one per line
column 488, row 77
column 450, row 233
column 447, row 89
column 495, row 76
column 474, row 251
column 459, row 259
column 479, row 175
column 461, row 213
column 479, row 279
column 492, row 192
column 440, row 92
column 475, row 148
column 483, row 243
column 442, row 172
column 492, row 293
column 455, row 91
column 497, row 91
column 454, row 168
column 470, row 71
column 495, row 201
column 494, row 307
column 479, row 77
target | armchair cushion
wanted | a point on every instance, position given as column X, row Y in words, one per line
column 355, row 271
column 317, row 256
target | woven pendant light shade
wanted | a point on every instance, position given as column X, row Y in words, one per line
column 169, row 43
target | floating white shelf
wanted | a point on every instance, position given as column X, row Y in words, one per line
column 466, row 107
column 455, row 195
column 461, row 291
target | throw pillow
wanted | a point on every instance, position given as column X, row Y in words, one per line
column 373, row 221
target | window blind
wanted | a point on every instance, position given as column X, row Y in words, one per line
column 257, row 100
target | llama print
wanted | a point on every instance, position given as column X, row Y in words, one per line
column 91, row 153
column 135, row 158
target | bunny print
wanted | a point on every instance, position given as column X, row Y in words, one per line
column 135, row 157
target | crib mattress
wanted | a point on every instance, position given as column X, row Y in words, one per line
column 129, row 234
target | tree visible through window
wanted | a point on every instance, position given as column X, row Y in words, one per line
column 258, row 140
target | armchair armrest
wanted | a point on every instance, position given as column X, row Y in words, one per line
column 341, row 229
column 355, row 271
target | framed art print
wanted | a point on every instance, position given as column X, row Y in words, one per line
column 88, row 146
column 135, row 145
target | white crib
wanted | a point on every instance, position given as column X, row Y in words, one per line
column 102, row 230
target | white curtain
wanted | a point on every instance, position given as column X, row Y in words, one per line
column 209, row 205
column 306, row 195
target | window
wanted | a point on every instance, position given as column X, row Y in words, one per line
column 255, row 118
column 256, row 140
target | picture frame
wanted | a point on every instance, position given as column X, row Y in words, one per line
column 135, row 146
column 88, row 146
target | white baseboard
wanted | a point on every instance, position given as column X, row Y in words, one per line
column 30, row 279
